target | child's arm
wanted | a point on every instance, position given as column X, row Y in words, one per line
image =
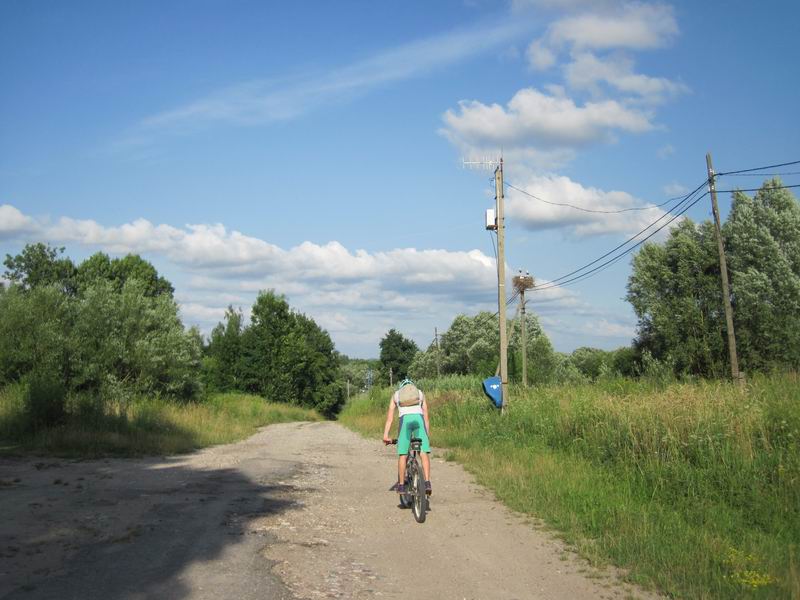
column 389, row 418
column 425, row 416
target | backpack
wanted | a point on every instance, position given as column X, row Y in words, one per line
column 409, row 395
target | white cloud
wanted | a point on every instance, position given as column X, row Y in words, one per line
column 608, row 329
column 540, row 122
column 540, row 56
column 353, row 293
column 535, row 214
column 13, row 222
column 586, row 71
column 634, row 26
column 195, row 312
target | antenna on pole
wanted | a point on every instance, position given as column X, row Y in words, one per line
column 486, row 163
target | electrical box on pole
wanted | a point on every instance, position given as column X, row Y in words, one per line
column 491, row 220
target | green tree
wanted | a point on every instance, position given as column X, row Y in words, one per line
column 591, row 362
column 541, row 360
column 34, row 332
column 39, row 265
column 471, row 345
column 223, row 369
column 675, row 291
column 99, row 267
column 285, row 357
column 397, row 352
column 762, row 236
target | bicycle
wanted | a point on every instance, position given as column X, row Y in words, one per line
column 416, row 496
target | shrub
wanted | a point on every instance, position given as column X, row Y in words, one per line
column 44, row 401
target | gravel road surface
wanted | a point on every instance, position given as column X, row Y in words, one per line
column 299, row 510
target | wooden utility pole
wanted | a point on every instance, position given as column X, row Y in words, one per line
column 438, row 362
column 723, row 267
column 501, row 282
column 521, row 283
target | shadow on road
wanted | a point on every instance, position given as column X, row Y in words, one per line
column 147, row 528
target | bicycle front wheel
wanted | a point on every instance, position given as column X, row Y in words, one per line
column 420, row 505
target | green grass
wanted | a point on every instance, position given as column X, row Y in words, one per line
column 143, row 426
column 693, row 488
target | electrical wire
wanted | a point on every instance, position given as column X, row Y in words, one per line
column 786, row 164
column 591, row 210
column 685, row 203
column 776, row 187
column 759, row 174
column 614, row 259
column 684, row 199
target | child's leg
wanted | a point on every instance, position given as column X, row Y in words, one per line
column 401, row 468
column 426, row 465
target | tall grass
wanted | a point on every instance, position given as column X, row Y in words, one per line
column 691, row 487
column 141, row 426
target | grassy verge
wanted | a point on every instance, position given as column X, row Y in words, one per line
column 143, row 426
column 693, row 488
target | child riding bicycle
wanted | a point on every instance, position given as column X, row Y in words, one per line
column 413, row 410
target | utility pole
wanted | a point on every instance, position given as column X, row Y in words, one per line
column 391, row 383
column 438, row 362
column 501, row 282
column 723, row 267
column 521, row 283
column 348, row 389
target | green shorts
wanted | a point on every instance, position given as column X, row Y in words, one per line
column 412, row 426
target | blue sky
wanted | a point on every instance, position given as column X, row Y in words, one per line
column 315, row 147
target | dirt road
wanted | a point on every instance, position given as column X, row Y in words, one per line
column 297, row 511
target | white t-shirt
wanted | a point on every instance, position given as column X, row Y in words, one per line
column 409, row 410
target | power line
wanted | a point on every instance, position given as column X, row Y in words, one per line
column 768, row 188
column 630, row 239
column 614, row 259
column 760, row 174
column 590, row 210
column 786, row 164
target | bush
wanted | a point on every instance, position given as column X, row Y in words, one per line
column 44, row 401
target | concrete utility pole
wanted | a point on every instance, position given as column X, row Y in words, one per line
column 501, row 282
column 438, row 363
column 723, row 267
column 521, row 283
column 390, row 377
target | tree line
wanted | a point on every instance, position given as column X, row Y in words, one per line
column 85, row 338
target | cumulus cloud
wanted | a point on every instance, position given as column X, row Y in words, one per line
column 541, row 122
column 13, row 222
column 602, row 27
column 632, row 26
column 587, row 71
column 355, row 292
column 534, row 214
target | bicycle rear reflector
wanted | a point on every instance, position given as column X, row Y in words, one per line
column 493, row 389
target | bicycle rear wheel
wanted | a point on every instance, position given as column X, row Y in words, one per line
column 420, row 505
